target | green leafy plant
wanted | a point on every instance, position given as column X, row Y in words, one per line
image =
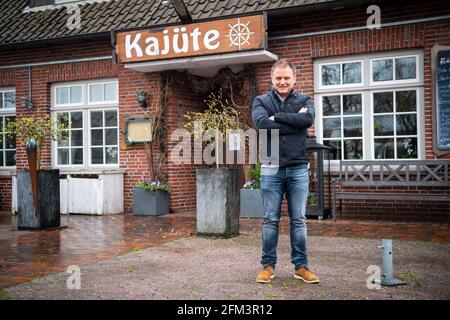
column 253, row 176
column 149, row 184
column 38, row 128
column 220, row 115
column 312, row 200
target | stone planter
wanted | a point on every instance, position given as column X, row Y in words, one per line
column 218, row 202
column 47, row 214
column 150, row 203
column 251, row 204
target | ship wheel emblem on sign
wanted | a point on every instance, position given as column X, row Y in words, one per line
column 239, row 34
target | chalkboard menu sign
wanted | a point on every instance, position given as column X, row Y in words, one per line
column 441, row 99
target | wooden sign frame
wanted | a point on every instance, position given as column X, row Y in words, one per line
column 435, row 121
column 197, row 39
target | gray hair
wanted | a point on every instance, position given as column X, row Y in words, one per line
column 283, row 63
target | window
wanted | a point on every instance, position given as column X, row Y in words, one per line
column 340, row 74
column 91, row 109
column 395, row 124
column 7, row 115
column 342, row 123
column 371, row 107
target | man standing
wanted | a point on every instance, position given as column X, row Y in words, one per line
column 291, row 113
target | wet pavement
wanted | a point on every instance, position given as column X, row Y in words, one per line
column 83, row 240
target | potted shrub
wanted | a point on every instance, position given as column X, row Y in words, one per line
column 37, row 190
column 217, row 188
column 151, row 198
column 250, row 201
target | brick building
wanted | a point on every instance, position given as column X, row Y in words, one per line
column 62, row 59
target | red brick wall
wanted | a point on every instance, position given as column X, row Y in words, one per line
column 182, row 177
column 5, row 194
column 302, row 51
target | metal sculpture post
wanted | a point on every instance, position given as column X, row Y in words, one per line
column 31, row 148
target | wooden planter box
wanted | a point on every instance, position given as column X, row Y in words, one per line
column 48, row 213
column 251, row 204
column 149, row 203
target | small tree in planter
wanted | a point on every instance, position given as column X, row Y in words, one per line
column 217, row 189
column 251, row 203
column 38, row 190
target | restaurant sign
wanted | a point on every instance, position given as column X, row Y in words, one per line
column 214, row 37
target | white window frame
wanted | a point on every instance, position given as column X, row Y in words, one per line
column 71, row 105
column 104, row 136
column 395, row 82
column 346, row 85
column 342, row 116
column 85, row 107
column 367, row 88
column 420, row 126
column 9, row 112
column 104, row 102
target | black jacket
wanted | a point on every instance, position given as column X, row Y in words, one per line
column 291, row 124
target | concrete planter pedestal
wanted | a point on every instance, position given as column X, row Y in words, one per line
column 150, row 203
column 218, row 202
column 47, row 214
column 251, row 204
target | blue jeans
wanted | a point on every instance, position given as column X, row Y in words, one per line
column 274, row 183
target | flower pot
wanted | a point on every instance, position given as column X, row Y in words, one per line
column 251, row 204
column 150, row 203
column 47, row 214
column 218, row 202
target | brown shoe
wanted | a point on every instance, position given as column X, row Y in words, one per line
column 266, row 275
column 306, row 275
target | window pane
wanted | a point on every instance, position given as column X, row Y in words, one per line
column 1, row 158
column 332, row 128
column 353, row 149
column 75, row 94
column 1, row 101
column 1, row 124
column 10, row 99
column 62, row 95
column 63, row 142
column 384, row 149
column 63, row 156
column 76, row 138
column 10, row 142
column 331, row 74
column 97, row 137
column 406, row 124
column 96, row 93
column 97, row 119
column 382, row 70
column 383, row 102
column 110, row 136
column 406, row 101
column 76, row 120
column 97, row 155
column 352, row 104
column 331, row 105
column 10, row 158
column 77, row 156
column 353, row 127
column 352, row 72
column 406, row 148
column 383, row 125
column 111, row 92
column 333, row 154
column 405, row 68
column 1, row 144
column 111, row 155
column 63, row 117
column 111, row 118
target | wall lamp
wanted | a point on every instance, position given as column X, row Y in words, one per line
column 142, row 98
